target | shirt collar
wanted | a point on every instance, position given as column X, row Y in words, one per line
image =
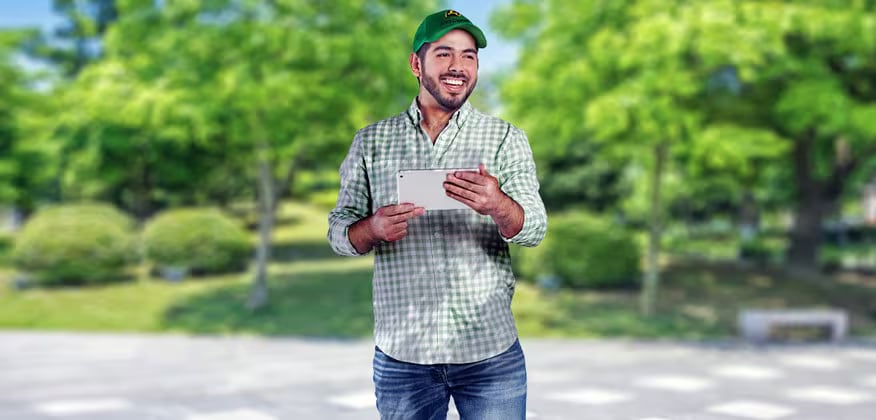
column 459, row 117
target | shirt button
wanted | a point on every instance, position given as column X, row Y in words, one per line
column 437, row 235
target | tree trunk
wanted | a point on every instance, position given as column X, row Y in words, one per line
column 749, row 217
column 650, row 285
column 142, row 184
column 286, row 183
column 806, row 233
column 258, row 296
column 816, row 200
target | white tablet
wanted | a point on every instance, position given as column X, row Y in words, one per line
column 425, row 188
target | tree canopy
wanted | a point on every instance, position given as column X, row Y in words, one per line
column 732, row 87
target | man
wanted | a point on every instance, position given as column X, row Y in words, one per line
column 442, row 280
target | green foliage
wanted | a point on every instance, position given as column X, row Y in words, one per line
column 714, row 241
column 731, row 86
column 190, row 96
column 202, row 240
column 584, row 251
column 854, row 257
column 830, row 259
column 27, row 163
column 592, row 252
column 316, row 293
column 762, row 250
column 326, row 199
column 581, row 178
column 83, row 24
column 5, row 248
column 528, row 263
column 76, row 244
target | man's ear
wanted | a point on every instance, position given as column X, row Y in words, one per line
column 416, row 69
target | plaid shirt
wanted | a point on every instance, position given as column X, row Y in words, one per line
column 443, row 293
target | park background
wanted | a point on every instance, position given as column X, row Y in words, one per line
column 168, row 166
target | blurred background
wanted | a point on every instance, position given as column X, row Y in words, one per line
column 168, row 166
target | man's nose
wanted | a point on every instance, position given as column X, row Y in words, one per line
column 455, row 63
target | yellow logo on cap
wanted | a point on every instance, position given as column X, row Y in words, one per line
column 450, row 13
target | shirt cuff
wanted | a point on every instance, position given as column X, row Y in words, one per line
column 340, row 238
column 530, row 234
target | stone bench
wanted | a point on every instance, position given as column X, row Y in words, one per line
column 758, row 325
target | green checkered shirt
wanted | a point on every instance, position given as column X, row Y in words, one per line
column 443, row 293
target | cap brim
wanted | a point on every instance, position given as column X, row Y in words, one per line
column 476, row 33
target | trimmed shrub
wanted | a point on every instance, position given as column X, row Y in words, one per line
column 204, row 241
column 587, row 251
column 76, row 244
column 528, row 263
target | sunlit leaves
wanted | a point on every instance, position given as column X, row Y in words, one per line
column 812, row 103
column 671, row 71
column 727, row 148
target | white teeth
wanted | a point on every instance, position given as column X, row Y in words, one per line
column 453, row 82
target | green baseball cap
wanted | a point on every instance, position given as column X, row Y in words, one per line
column 436, row 25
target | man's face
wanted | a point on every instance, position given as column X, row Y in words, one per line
column 449, row 69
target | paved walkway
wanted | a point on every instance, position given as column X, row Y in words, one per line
column 133, row 377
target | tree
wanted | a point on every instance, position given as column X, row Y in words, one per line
column 629, row 89
column 26, row 164
column 76, row 42
column 282, row 83
column 641, row 75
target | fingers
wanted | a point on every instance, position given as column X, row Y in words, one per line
column 404, row 217
column 470, row 177
column 460, row 192
column 390, row 222
column 481, row 177
column 401, row 212
column 397, row 234
column 400, row 209
column 458, row 182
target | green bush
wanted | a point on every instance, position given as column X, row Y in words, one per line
column 204, row 241
column 590, row 251
column 5, row 248
column 762, row 250
column 75, row 244
column 528, row 263
column 830, row 259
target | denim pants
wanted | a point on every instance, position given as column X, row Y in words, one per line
column 491, row 389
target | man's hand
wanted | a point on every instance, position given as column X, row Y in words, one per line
column 481, row 192
column 388, row 224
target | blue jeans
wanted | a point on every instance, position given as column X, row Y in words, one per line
column 490, row 389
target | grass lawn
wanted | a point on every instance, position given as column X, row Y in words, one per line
column 314, row 293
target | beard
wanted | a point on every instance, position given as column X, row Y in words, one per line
column 448, row 102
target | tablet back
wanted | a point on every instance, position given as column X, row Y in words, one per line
column 425, row 188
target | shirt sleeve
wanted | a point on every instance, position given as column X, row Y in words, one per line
column 519, row 181
column 354, row 200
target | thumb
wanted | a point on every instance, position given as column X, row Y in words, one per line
column 483, row 170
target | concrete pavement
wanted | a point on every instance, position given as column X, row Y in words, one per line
column 75, row 376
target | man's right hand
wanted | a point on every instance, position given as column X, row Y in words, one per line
column 388, row 224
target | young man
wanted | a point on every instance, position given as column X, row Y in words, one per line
column 442, row 280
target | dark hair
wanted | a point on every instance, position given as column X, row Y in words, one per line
column 421, row 53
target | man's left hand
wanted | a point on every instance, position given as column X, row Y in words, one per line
column 478, row 190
